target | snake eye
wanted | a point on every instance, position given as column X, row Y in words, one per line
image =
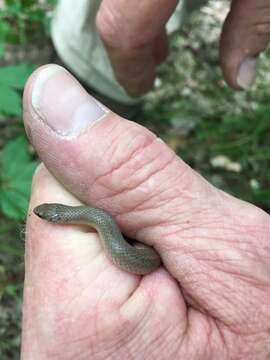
column 55, row 217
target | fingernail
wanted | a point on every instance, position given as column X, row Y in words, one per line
column 247, row 72
column 62, row 103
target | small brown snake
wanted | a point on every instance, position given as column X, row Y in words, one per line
column 138, row 258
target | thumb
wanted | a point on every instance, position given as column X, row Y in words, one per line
column 245, row 34
column 107, row 161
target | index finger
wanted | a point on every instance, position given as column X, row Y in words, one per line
column 135, row 38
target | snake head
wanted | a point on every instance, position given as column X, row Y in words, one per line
column 50, row 212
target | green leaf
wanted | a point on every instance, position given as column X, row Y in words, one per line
column 2, row 49
column 13, row 204
column 5, row 29
column 15, row 76
column 11, row 78
column 10, row 101
column 15, row 154
column 18, row 169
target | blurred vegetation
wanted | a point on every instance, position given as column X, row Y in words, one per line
column 221, row 133
column 24, row 21
column 22, row 24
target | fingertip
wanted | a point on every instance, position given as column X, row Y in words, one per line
column 245, row 35
column 57, row 100
column 247, row 73
column 239, row 72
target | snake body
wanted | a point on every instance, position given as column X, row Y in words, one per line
column 138, row 258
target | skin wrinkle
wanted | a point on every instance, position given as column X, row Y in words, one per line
column 189, row 284
column 148, row 342
column 185, row 229
column 209, row 332
column 213, row 311
column 122, row 164
column 114, row 20
column 143, row 209
column 134, row 328
column 91, row 283
column 260, row 6
column 123, row 342
column 117, row 340
column 263, row 19
column 141, row 206
column 132, row 334
column 222, row 337
column 131, row 293
column 223, row 261
column 215, row 241
column 150, row 310
column 129, row 188
column 242, row 325
column 77, row 341
column 126, row 342
column 248, row 244
column 107, row 21
column 157, row 170
column 215, row 222
column 223, row 267
column 189, row 340
column 139, row 163
column 132, row 147
column 142, row 331
column 174, row 345
column 232, row 323
column 95, row 336
column 119, row 165
column 262, row 29
column 246, row 279
column 159, row 191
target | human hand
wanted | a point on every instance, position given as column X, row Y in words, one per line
column 211, row 300
column 136, row 41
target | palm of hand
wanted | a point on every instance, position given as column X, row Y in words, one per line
column 84, row 307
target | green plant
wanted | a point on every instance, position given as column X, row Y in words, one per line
column 16, row 161
column 12, row 79
column 22, row 21
column 243, row 139
column 15, row 179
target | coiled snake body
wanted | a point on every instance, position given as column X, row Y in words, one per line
column 138, row 258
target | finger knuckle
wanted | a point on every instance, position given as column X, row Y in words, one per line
column 106, row 23
column 115, row 31
column 109, row 26
column 262, row 28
